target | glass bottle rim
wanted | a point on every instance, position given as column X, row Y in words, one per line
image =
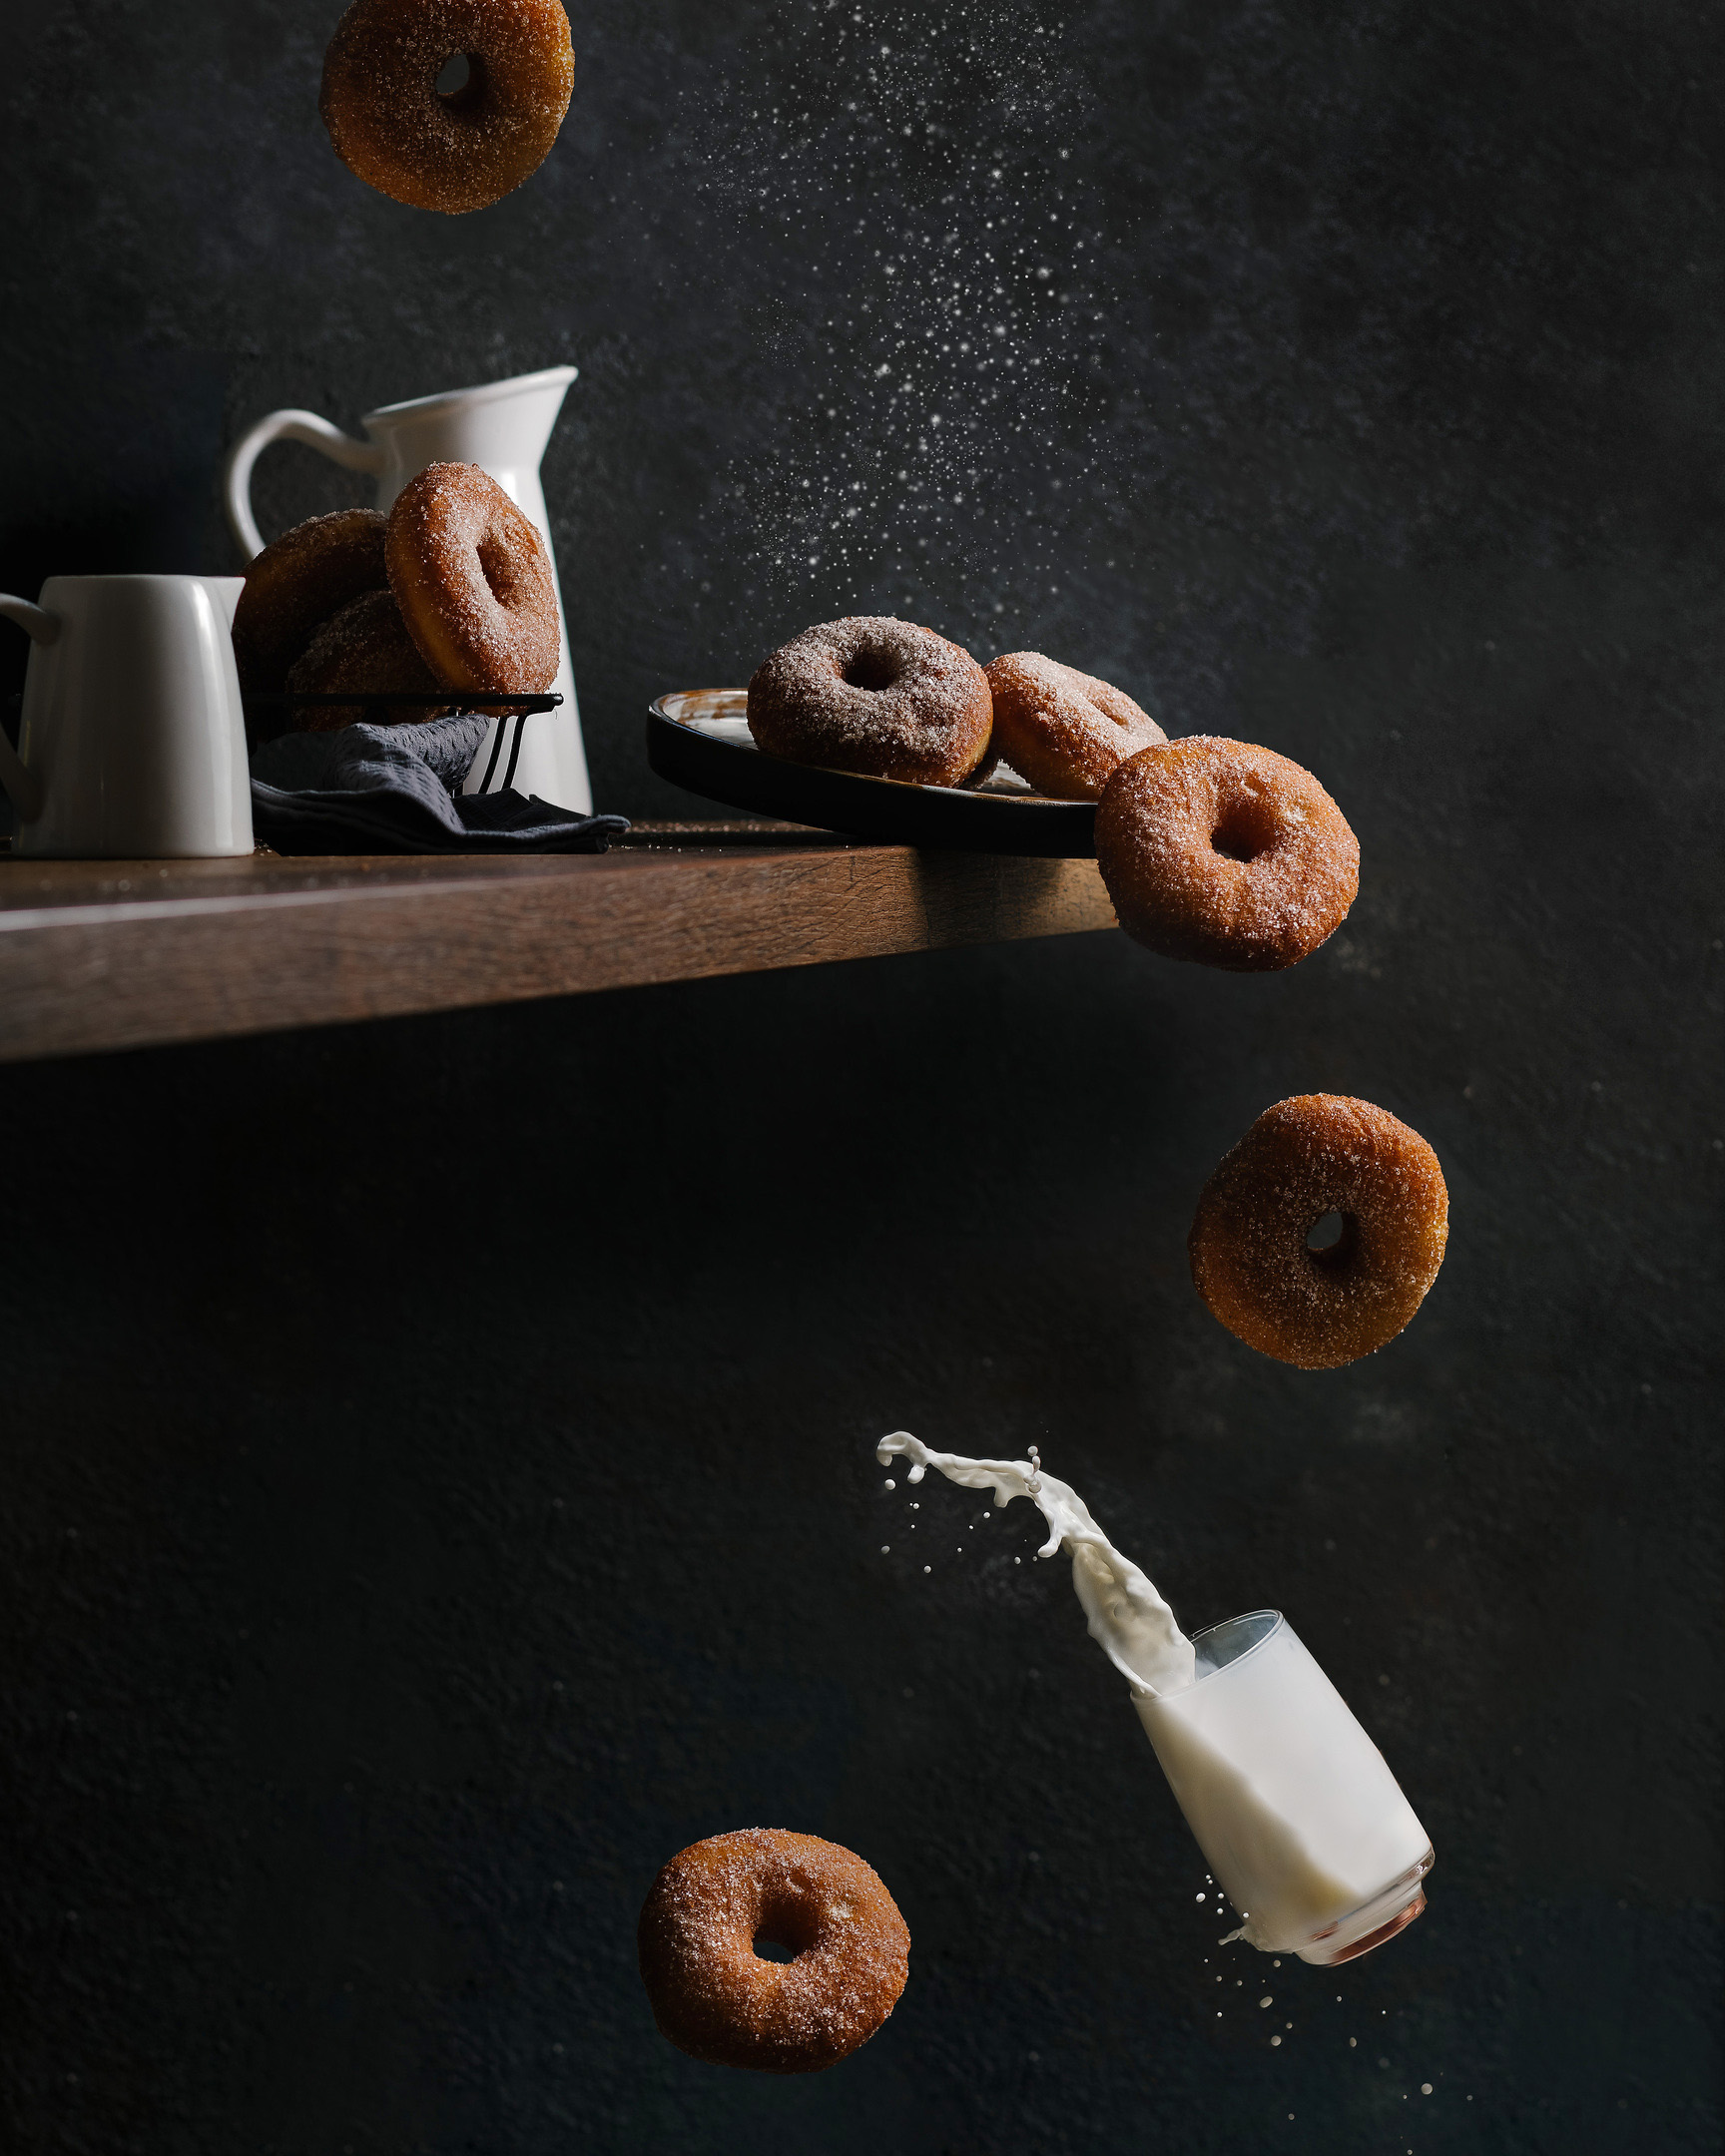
column 1278, row 1623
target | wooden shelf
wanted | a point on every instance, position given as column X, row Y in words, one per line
column 123, row 955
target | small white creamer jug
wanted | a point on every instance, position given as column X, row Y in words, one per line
column 133, row 742
column 502, row 427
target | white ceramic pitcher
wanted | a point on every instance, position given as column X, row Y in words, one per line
column 502, row 427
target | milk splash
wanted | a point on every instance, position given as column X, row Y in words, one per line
column 1291, row 1802
column 1127, row 1618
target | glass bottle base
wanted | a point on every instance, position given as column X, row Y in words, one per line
column 1373, row 1922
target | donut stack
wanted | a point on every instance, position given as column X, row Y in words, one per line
column 452, row 590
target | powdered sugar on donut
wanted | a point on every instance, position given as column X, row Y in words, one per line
column 456, row 151
column 1066, row 731
column 1315, row 1154
column 365, row 648
column 473, row 582
column 296, row 584
column 1225, row 853
column 715, row 1997
column 874, row 695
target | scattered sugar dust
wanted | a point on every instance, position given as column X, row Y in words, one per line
column 943, row 314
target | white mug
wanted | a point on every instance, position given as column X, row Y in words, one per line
column 133, row 742
column 502, row 427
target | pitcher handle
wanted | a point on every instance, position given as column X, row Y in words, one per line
column 296, row 426
column 43, row 628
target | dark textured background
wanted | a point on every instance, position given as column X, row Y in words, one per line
column 438, row 1477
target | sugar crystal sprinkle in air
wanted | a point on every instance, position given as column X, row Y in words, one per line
column 961, row 310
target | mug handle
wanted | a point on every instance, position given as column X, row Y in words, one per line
column 296, row 426
column 43, row 628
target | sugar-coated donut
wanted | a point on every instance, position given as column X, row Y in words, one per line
column 473, row 582
column 364, row 648
column 296, row 584
column 453, row 150
column 1225, row 853
column 715, row 1997
column 1315, row 1154
column 1063, row 731
column 878, row 696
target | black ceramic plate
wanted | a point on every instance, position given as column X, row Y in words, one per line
column 700, row 739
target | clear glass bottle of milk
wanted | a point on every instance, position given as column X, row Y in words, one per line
column 1302, row 1824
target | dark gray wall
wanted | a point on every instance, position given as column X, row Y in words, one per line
column 437, row 1477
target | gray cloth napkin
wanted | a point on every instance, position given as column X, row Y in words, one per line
column 392, row 790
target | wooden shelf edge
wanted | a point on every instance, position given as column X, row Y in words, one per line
column 96, row 959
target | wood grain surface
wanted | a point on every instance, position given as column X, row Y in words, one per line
column 114, row 954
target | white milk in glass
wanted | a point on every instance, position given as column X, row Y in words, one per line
column 1304, row 1825
column 1302, row 1822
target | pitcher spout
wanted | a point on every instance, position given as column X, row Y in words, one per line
column 525, row 407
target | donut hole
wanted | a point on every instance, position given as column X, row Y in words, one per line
column 1245, row 828
column 1333, row 1240
column 461, row 83
column 785, row 1927
column 499, row 569
column 769, row 1949
column 873, row 669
